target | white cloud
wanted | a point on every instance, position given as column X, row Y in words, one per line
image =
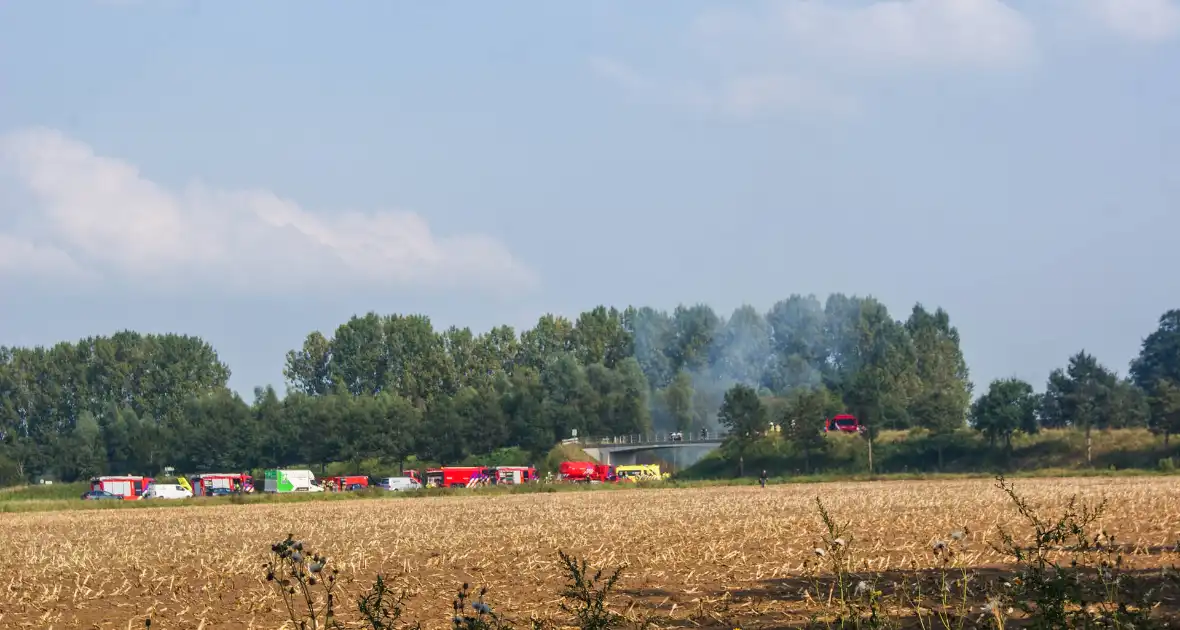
column 979, row 34
column 741, row 96
column 39, row 261
column 902, row 35
column 1142, row 20
column 755, row 94
column 100, row 216
column 618, row 72
column 805, row 54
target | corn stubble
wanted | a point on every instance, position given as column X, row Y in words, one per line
column 726, row 556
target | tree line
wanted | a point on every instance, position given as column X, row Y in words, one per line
column 392, row 386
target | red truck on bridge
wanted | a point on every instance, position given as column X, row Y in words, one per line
column 844, row 422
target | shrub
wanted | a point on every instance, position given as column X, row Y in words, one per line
column 304, row 583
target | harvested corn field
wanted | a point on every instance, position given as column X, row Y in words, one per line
column 712, row 557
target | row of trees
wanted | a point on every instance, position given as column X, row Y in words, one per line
column 1085, row 395
column 1088, row 395
column 901, row 373
column 392, row 386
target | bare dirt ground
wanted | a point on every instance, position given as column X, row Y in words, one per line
column 718, row 557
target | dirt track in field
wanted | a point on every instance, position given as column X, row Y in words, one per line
column 717, row 557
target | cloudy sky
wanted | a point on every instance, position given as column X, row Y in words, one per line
column 252, row 171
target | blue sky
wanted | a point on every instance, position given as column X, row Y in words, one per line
column 251, row 171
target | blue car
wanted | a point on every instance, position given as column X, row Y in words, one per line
column 99, row 495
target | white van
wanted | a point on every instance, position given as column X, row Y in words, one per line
column 166, row 491
column 398, row 484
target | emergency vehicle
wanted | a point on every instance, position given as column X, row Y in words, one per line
column 346, row 482
column 128, row 487
column 515, row 474
column 641, row 472
column 204, row 484
column 844, row 422
column 458, row 476
column 586, row 472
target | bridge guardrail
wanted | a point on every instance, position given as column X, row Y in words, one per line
column 648, row 438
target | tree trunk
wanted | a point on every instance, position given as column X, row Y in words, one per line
column 1089, row 448
column 870, row 455
column 1166, row 438
column 741, row 465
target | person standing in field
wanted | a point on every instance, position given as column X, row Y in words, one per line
column 762, row 479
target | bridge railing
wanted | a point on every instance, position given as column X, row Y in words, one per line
column 648, row 438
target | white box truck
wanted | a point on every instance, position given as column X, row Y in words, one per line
column 290, row 481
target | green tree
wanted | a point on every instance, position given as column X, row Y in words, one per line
column 498, row 350
column 599, row 336
column 418, row 366
column 634, row 405
column 1087, row 396
column 276, row 439
column 677, row 399
column 843, row 319
column 523, row 402
column 693, row 330
column 447, row 440
column 744, row 415
column 881, row 391
column 945, row 387
column 651, row 333
column 397, row 432
column 1156, row 371
column 358, row 430
column 464, row 365
column 620, row 401
column 1009, row 406
column 308, row 369
column 87, row 451
column 116, row 428
column 798, row 344
column 569, row 399
column 549, row 340
column 1159, row 355
column 741, row 348
column 804, row 416
column 1165, row 409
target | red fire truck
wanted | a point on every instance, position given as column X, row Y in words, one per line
column 844, row 422
column 515, row 474
column 205, row 484
column 457, row 476
column 345, row 482
column 128, row 487
column 586, row 472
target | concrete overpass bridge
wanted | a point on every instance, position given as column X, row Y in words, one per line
column 624, row 450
